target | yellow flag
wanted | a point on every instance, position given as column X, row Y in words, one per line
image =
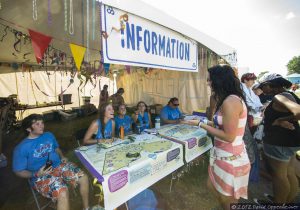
column 78, row 54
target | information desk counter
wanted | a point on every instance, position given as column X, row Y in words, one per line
column 195, row 139
column 129, row 168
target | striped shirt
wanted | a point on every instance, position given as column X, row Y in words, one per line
column 230, row 177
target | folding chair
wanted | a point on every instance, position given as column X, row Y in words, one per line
column 37, row 197
column 78, row 136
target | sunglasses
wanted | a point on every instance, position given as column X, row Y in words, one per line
column 176, row 104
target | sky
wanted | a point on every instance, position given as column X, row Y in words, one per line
column 265, row 33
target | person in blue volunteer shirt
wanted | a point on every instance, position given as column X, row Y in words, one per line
column 123, row 120
column 103, row 128
column 141, row 116
column 170, row 114
column 39, row 159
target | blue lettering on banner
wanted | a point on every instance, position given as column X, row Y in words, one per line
column 122, row 39
column 187, row 51
column 168, row 53
column 152, row 42
column 161, row 42
column 130, row 36
column 173, row 42
column 147, row 41
column 176, row 49
column 138, row 36
column 181, row 50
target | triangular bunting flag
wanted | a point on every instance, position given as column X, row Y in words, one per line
column 40, row 43
column 127, row 69
column 78, row 54
column 106, row 68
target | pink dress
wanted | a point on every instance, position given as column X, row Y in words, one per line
column 229, row 166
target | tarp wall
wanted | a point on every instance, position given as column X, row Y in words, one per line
column 158, row 86
column 28, row 93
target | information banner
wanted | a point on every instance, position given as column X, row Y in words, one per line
column 131, row 40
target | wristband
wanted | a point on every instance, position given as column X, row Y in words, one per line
column 200, row 123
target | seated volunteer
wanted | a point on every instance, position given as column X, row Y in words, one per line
column 170, row 114
column 142, row 116
column 103, row 128
column 123, row 120
column 51, row 179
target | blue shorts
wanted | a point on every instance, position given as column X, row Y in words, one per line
column 280, row 153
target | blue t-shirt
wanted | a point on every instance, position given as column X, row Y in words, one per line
column 144, row 121
column 169, row 113
column 32, row 154
column 126, row 122
column 107, row 130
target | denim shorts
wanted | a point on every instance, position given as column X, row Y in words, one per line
column 280, row 153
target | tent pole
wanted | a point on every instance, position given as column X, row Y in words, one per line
column 55, row 86
column 78, row 97
column 17, row 85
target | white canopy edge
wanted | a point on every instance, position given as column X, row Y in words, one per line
column 151, row 13
column 293, row 75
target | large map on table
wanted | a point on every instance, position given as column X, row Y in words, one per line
column 128, row 168
column 195, row 140
column 123, row 156
column 134, row 148
column 181, row 131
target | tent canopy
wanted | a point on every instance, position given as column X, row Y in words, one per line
column 293, row 75
column 52, row 22
column 154, row 87
column 147, row 11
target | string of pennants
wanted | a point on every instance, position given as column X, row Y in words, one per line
column 40, row 43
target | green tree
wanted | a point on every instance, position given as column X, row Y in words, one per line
column 294, row 65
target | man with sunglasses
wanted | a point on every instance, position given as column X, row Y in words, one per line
column 170, row 114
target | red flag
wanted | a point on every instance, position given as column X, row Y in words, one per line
column 40, row 43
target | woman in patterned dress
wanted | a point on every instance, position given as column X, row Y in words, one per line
column 229, row 163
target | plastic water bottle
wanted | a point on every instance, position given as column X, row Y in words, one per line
column 157, row 122
column 122, row 132
column 138, row 128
